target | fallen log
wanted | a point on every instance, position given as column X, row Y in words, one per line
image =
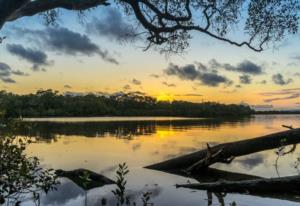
column 85, row 179
column 229, row 150
column 281, row 185
column 214, row 175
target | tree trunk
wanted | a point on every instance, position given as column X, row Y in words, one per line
column 283, row 185
column 232, row 149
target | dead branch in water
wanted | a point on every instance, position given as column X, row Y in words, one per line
column 282, row 185
column 227, row 151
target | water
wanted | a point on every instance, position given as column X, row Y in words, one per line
column 99, row 144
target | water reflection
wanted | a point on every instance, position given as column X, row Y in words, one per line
column 47, row 130
column 100, row 146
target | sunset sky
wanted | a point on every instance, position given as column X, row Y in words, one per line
column 89, row 57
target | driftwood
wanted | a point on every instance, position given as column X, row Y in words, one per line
column 225, row 152
column 281, row 185
column 85, row 179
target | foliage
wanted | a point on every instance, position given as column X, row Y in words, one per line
column 119, row 192
column 169, row 24
column 20, row 175
column 48, row 103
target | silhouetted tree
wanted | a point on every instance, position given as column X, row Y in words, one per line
column 169, row 23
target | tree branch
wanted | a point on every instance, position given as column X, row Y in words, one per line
column 40, row 6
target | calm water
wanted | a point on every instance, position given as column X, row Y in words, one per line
column 99, row 144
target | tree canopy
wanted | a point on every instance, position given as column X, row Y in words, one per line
column 169, row 23
column 48, row 103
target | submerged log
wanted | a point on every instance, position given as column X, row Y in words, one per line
column 281, row 185
column 85, row 179
column 229, row 150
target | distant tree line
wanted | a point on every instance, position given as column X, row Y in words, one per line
column 49, row 103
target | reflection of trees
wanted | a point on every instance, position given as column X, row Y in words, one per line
column 119, row 129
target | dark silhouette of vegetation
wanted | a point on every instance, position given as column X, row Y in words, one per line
column 20, row 175
column 48, row 103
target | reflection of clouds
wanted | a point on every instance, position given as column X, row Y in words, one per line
column 136, row 146
column 109, row 170
column 66, row 191
column 252, row 161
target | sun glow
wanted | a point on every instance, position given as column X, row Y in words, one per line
column 165, row 97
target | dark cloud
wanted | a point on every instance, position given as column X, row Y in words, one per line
column 67, row 86
column 280, row 80
column 6, row 72
column 201, row 73
column 154, row 75
column 136, row 82
column 65, row 41
column 169, row 84
column 36, row 57
column 112, row 26
column 8, row 80
column 246, row 67
column 245, row 79
column 297, row 74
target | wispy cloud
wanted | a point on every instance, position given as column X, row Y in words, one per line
column 169, row 84
column 284, row 94
column 6, row 73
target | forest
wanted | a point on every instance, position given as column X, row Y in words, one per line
column 49, row 103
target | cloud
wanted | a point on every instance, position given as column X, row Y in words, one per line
column 168, row 85
column 189, row 95
column 154, row 75
column 127, row 87
column 295, row 60
column 6, row 72
column 263, row 82
column 245, row 79
column 245, row 67
column 262, row 107
column 65, row 41
column 67, row 86
column 292, row 96
column 112, row 26
column 36, row 57
column 283, row 94
column 201, row 73
column 136, row 82
column 279, row 79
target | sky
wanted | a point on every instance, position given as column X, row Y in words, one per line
column 83, row 57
